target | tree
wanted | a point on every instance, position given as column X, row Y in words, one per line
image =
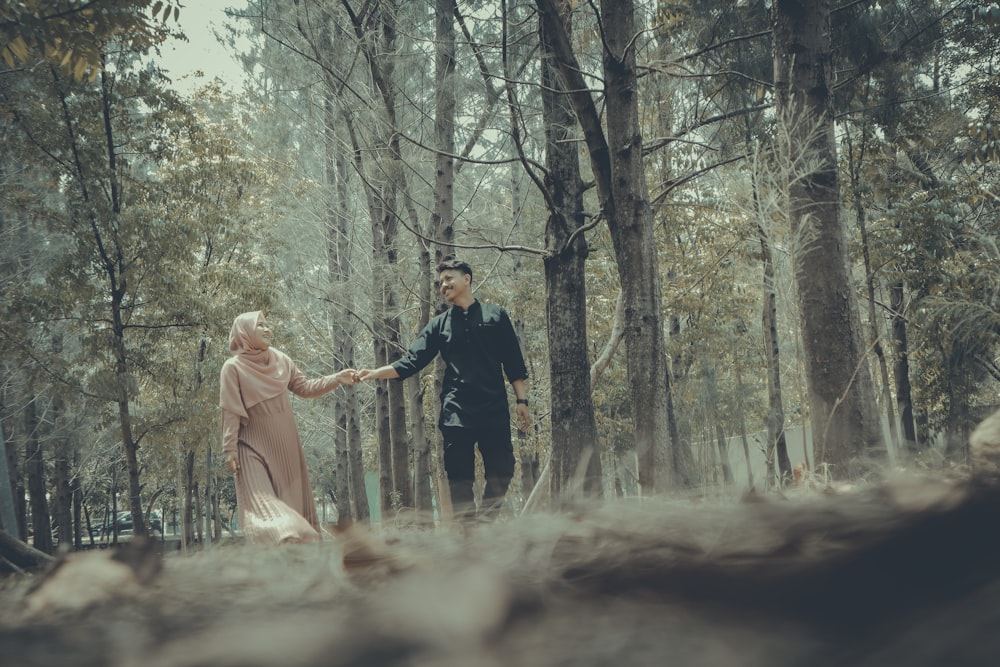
column 145, row 258
column 375, row 28
column 846, row 429
column 71, row 34
column 576, row 450
column 617, row 162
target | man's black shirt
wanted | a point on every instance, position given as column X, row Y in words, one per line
column 475, row 345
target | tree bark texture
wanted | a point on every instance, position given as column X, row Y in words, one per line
column 901, row 367
column 337, row 233
column 359, row 491
column 712, row 396
column 63, row 512
column 187, row 503
column 34, row 471
column 686, row 474
column 846, row 428
column 8, row 450
column 635, row 250
column 575, row 454
column 383, row 437
column 385, row 225
column 8, row 507
column 777, row 444
column 443, row 217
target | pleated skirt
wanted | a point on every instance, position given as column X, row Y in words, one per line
column 273, row 493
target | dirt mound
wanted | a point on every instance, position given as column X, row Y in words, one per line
column 907, row 573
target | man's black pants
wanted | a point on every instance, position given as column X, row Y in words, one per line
column 460, row 464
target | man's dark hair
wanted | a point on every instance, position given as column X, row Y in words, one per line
column 450, row 263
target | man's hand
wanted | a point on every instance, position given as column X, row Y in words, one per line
column 348, row 376
column 232, row 462
column 523, row 417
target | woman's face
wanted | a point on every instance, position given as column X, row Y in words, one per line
column 262, row 334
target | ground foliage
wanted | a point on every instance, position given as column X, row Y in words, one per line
column 898, row 573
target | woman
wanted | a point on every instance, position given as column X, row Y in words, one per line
column 259, row 437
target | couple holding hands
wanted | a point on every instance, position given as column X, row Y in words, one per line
column 261, row 442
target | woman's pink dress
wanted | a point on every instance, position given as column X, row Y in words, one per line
column 273, row 493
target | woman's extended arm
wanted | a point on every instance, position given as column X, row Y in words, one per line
column 305, row 387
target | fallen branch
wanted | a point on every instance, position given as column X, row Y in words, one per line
column 21, row 555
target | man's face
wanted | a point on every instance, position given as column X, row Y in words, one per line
column 453, row 284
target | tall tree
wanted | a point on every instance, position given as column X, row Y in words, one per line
column 576, row 453
column 34, row 465
column 349, row 471
column 846, row 429
column 617, row 162
column 375, row 27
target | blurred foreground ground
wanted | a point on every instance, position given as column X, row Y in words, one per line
column 907, row 573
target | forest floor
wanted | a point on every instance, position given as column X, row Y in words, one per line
column 904, row 573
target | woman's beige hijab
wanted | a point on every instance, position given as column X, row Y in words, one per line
column 261, row 374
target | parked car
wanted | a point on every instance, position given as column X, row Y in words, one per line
column 124, row 523
column 125, row 526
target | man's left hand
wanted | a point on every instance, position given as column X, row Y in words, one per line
column 523, row 417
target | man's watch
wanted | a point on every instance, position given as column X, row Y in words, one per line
column 522, row 401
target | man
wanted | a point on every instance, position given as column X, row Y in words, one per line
column 478, row 345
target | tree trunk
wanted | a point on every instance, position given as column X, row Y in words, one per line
column 741, row 415
column 359, row 492
column 78, row 507
column 359, row 489
column 34, row 470
column 8, row 508
column 187, row 509
column 209, row 504
column 198, row 523
column 20, row 554
column 382, row 433
column 621, row 189
column 338, row 251
column 777, row 445
column 129, row 444
column 847, row 433
column 874, row 328
column 382, row 194
column 402, row 477
column 62, row 512
column 427, row 477
column 62, row 481
column 112, row 521
column 901, row 368
column 443, row 216
column 8, row 450
column 576, row 456
column 113, row 266
column 687, row 476
column 712, row 396
column 216, row 514
column 635, row 249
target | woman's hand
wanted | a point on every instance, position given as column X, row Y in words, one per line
column 347, row 376
column 232, row 462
